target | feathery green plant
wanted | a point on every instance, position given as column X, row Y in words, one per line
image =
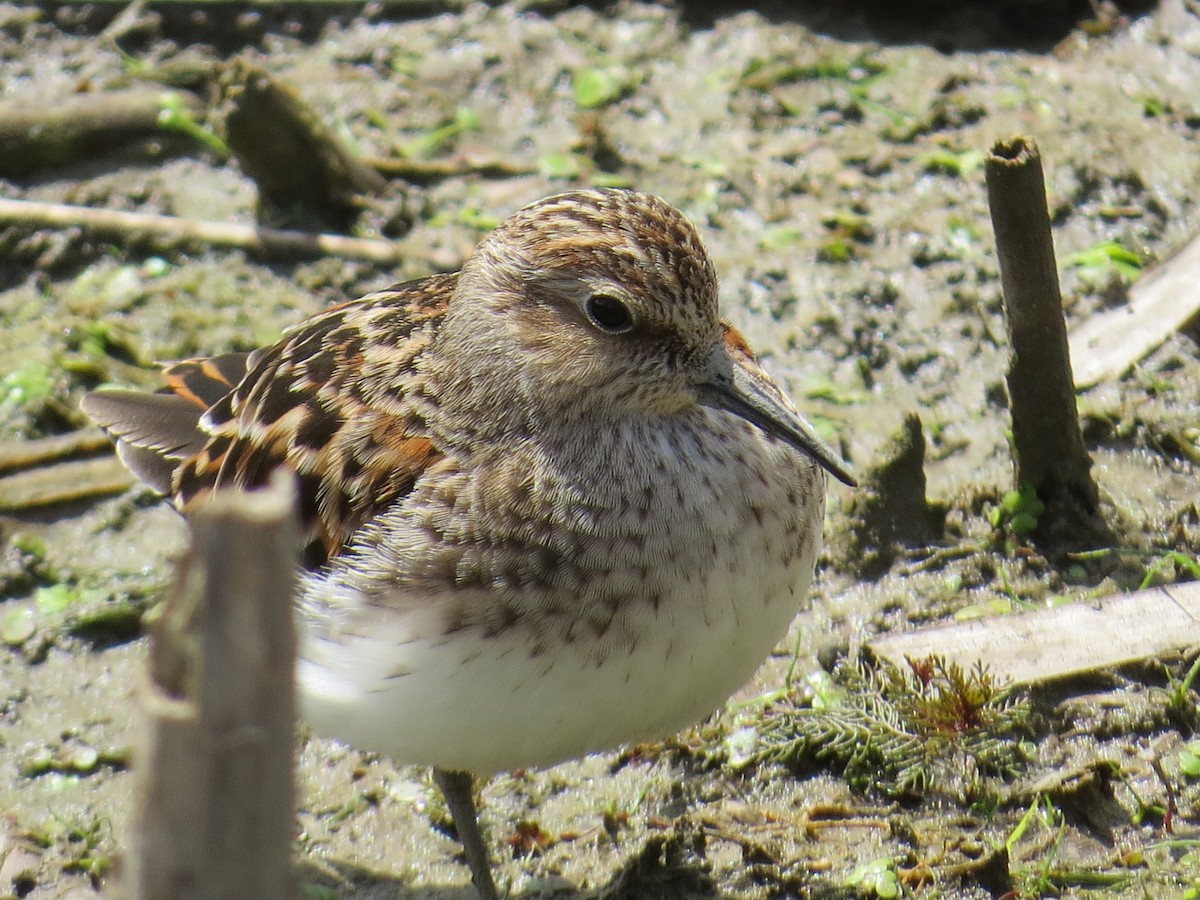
column 905, row 731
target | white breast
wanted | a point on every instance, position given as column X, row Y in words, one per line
column 734, row 561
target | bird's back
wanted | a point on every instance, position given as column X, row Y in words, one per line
column 326, row 402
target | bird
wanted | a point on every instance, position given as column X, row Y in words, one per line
column 550, row 504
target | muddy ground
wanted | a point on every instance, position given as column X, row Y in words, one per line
column 833, row 166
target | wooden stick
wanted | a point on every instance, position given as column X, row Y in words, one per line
column 16, row 454
column 75, row 479
column 426, row 171
column 1108, row 344
column 1048, row 450
column 214, row 800
column 75, row 127
column 1044, row 644
column 271, row 242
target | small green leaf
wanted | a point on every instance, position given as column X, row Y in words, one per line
column 821, row 387
column 17, row 626
column 560, row 165
column 83, row 758
column 29, row 544
column 1189, row 760
column 174, row 115
column 1104, row 258
column 426, row 144
column 948, row 162
column 466, row 119
column 310, row 891
column 835, row 250
column 29, row 383
column 38, row 762
column 1021, row 509
column 611, row 180
column 781, row 237
column 1022, row 825
column 597, row 86
column 54, row 599
column 1076, row 574
column 876, row 878
column 1185, row 562
column 477, row 219
column 59, row 782
column 1153, row 107
column 405, row 62
column 1022, row 523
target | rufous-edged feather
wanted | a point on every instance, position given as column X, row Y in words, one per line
column 326, row 402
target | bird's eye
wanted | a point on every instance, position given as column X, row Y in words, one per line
column 608, row 314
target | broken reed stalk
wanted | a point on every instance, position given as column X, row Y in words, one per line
column 214, row 802
column 167, row 232
column 283, row 144
column 80, row 126
column 1049, row 456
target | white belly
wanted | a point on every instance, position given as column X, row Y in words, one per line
column 485, row 704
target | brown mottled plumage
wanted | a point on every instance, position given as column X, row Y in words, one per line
column 554, row 475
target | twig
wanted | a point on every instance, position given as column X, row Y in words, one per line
column 70, row 128
column 16, row 454
column 423, row 171
column 215, row 790
column 76, row 479
column 1048, row 450
column 1045, row 644
column 168, row 230
column 1107, row 344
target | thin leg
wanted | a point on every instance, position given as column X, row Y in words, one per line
column 456, row 788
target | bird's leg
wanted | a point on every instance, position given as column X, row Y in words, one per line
column 456, row 788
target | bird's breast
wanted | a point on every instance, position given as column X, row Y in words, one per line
column 655, row 592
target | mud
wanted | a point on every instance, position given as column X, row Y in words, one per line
column 834, row 171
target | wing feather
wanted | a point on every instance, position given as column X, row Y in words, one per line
column 327, row 402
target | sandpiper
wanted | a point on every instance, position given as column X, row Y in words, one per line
column 550, row 503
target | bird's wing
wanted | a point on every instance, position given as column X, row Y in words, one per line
column 327, row 402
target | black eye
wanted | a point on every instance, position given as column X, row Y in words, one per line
column 608, row 314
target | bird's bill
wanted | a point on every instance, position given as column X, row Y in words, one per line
column 734, row 388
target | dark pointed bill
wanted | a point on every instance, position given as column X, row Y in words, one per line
column 733, row 388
